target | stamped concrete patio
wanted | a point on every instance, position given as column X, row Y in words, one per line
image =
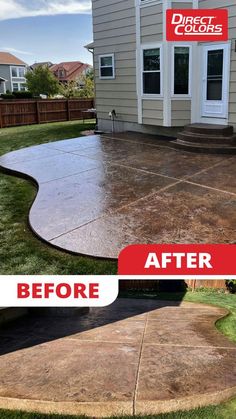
column 133, row 357
column 98, row 194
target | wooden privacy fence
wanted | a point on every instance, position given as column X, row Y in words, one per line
column 28, row 112
column 143, row 285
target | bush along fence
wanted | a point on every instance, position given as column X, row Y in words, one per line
column 27, row 112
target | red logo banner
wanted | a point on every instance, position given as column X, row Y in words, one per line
column 180, row 259
column 201, row 25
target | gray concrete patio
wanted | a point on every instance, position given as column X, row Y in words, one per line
column 98, row 194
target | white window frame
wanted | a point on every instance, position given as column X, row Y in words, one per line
column 179, row 96
column 152, row 46
column 18, row 72
column 113, row 67
column 19, row 86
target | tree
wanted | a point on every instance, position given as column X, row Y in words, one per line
column 86, row 83
column 69, row 90
column 83, row 87
column 41, row 81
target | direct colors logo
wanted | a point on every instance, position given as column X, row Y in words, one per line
column 202, row 25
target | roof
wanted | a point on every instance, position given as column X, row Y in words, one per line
column 42, row 64
column 2, row 79
column 7, row 58
column 71, row 68
column 91, row 45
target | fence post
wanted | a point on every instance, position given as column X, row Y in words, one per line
column 38, row 112
column 68, row 110
column 1, row 121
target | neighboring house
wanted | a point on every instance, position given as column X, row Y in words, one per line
column 44, row 64
column 152, row 83
column 69, row 71
column 12, row 73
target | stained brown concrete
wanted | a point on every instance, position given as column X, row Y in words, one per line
column 135, row 356
column 98, row 194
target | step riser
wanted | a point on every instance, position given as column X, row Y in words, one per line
column 221, row 132
column 204, row 139
column 198, row 148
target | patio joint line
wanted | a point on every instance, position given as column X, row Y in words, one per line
column 156, row 192
column 155, row 145
column 114, row 342
column 145, row 171
column 69, row 151
column 127, row 167
column 132, row 343
column 211, row 187
column 141, row 142
column 204, row 170
column 115, row 211
column 175, row 345
column 65, row 177
column 138, row 368
column 85, row 224
column 28, row 160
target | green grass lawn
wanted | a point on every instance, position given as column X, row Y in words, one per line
column 20, row 251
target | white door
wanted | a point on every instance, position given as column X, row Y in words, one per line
column 216, row 71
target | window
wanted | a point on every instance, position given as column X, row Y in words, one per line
column 22, row 87
column 15, row 87
column 14, row 72
column 215, row 73
column 181, row 70
column 18, row 72
column 21, row 72
column 106, row 66
column 152, row 71
column 19, row 87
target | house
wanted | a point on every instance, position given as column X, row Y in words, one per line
column 155, row 85
column 44, row 64
column 12, row 73
column 69, row 71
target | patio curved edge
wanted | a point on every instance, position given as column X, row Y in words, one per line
column 149, row 407
column 118, row 408
column 102, row 409
column 15, row 173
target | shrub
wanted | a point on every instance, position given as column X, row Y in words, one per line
column 231, row 285
column 8, row 96
column 23, row 95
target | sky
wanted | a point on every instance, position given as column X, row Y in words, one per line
column 46, row 30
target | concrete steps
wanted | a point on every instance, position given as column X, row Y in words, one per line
column 206, row 138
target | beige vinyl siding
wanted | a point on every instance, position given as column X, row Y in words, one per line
column 151, row 23
column 181, row 112
column 114, row 28
column 179, row 5
column 152, row 112
column 231, row 6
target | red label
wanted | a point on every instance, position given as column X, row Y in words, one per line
column 178, row 259
column 197, row 25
